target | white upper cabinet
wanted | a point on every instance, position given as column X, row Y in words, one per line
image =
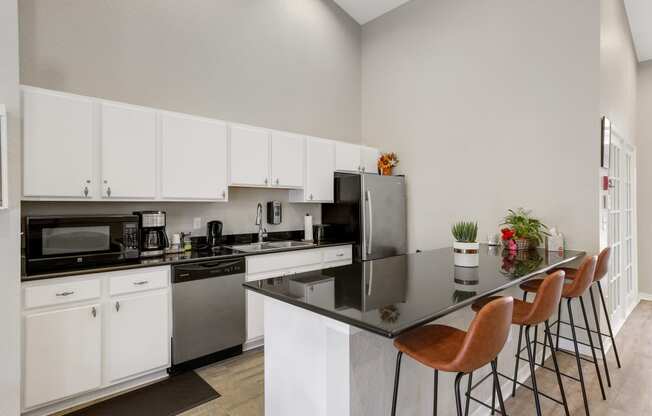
column 347, row 157
column 319, row 172
column 249, row 155
column 287, row 160
column 355, row 158
column 197, row 147
column 369, row 159
column 128, row 148
column 57, row 145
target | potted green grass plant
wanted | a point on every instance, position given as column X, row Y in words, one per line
column 523, row 231
column 465, row 246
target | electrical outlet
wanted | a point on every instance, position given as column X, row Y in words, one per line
column 196, row 223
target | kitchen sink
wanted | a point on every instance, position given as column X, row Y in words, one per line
column 270, row 245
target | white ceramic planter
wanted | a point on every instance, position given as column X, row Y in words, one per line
column 466, row 254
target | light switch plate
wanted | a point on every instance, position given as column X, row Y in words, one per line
column 196, row 223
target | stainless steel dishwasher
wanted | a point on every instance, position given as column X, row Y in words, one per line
column 208, row 312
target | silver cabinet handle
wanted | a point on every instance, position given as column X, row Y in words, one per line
column 277, row 181
column 108, row 192
column 339, row 255
column 117, row 306
column 66, row 293
column 223, row 194
column 94, row 312
column 371, row 223
column 85, row 191
column 266, row 181
column 310, row 197
column 142, row 282
column 364, row 169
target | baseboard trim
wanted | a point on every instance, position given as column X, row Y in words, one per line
column 644, row 296
column 253, row 344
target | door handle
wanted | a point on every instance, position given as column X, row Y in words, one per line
column 371, row 222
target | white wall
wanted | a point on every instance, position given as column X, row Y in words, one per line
column 490, row 105
column 10, row 219
column 644, row 167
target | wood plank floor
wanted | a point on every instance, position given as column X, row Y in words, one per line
column 240, row 380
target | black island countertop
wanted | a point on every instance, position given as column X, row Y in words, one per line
column 392, row 295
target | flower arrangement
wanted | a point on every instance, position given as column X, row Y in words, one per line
column 387, row 162
column 523, row 231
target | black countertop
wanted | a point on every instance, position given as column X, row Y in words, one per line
column 171, row 259
column 392, row 295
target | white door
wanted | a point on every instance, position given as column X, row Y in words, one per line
column 63, row 354
column 197, row 147
column 249, row 150
column 287, row 160
column 347, row 157
column 128, row 147
column 623, row 287
column 369, row 159
column 57, row 145
column 320, row 167
column 138, row 334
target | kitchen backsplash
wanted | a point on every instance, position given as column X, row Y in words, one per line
column 238, row 215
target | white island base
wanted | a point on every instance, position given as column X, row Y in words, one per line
column 316, row 366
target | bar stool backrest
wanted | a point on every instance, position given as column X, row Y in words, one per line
column 583, row 279
column 602, row 268
column 486, row 336
column 547, row 298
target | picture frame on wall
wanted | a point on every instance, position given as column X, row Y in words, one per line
column 605, row 142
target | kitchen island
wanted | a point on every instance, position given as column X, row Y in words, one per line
column 328, row 333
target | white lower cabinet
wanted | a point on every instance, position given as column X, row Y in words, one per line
column 62, row 353
column 281, row 264
column 138, row 334
column 78, row 339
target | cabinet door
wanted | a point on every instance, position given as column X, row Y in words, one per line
column 369, row 159
column 138, row 334
column 347, row 157
column 194, row 158
column 62, row 354
column 57, row 145
column 249, row 151
column 320, row 165
column 287, row 160
column 255, row 319
column 128, row 138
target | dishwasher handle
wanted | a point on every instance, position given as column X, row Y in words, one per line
column 208, row 269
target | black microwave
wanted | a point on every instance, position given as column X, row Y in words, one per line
column 63, row 243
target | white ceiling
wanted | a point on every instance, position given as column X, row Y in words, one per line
column 364, row 11
column 639, row 13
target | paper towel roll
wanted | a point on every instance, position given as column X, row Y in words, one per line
column 307, row 225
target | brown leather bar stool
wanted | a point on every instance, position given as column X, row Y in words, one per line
column 528, row 315
column 601, row 270
column 574, row 290
column 444, row 348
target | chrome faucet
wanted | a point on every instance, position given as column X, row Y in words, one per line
column 262, row 232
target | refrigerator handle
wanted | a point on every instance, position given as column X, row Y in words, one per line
column 371, row 223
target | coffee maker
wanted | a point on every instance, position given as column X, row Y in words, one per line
column 214, row 233
column 153, row 238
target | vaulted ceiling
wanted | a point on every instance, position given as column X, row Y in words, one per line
column 639, row 13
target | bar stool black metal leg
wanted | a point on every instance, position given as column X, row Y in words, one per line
column 611, row 334
column 497, row 390
column 535, row 390
column 595, row 358
column 554, row 360
column 458, row 398
column 558, row 327
column 545, row 344
column 597, row 327
column 493, row 395
column 577, row 357
column 396, row 378
column 435, row 388
column 468, row 395
column 536, row 338
column 518, row 358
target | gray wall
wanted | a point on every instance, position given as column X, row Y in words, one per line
column 490, row 104
column 286, row 64
column 10, row 219
column 644, row 177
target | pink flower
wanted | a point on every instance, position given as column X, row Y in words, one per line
column 512, row 245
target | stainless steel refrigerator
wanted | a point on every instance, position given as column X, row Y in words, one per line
column 369, row 210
